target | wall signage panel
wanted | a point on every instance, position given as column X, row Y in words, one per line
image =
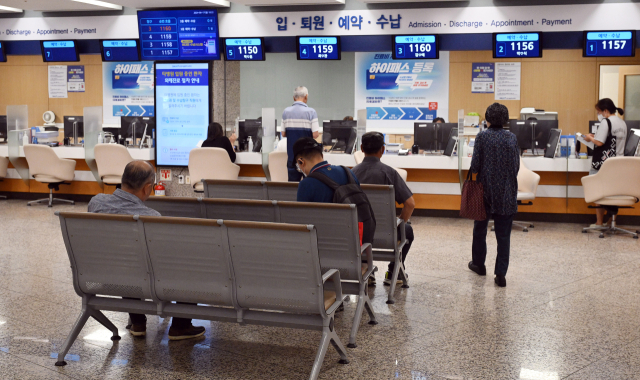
column 127, row 90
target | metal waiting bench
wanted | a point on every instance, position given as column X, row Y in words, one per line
column 224, row 266
column 338, row 243
column 387, row 245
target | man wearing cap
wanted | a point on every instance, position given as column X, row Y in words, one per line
column 373, row 171
column 298, row 121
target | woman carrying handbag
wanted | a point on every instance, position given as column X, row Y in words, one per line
column 496, row 159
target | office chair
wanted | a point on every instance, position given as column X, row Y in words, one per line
column 278, row 166
column 45, row 166
column 527, row 187
column 4, row 165
column 111, row 160
column 210, row 163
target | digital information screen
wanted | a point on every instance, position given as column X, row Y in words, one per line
column 609, row 44
column 120, row 50
column 415, row 47
column 3, row 54
column 318, row 48
column 182, row 110
column 179, row 34
column 517, row 45
column 59, row 51
column 244, row 49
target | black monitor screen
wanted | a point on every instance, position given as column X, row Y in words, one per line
column 140, row 123
column 552, row 145
column 432, row 136
column 3, row 128
column 69, row 122
column 533, row 134
column 249, row 128
column 340, row 135
column 632, row 139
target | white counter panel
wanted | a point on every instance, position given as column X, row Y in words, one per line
column 77, row 152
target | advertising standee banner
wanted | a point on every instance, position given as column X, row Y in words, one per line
column 397, row 93
column 127, row 90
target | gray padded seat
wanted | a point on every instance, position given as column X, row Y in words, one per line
column 282, row 191
column 234, row 189
column 183, row 207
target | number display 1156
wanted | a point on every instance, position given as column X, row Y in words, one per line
column 517, row 45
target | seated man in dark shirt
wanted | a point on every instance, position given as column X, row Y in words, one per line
column 372, row 171
column 137, row 185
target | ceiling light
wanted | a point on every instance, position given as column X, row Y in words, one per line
column 9, row 9
column 222, row 3
column 100, row 4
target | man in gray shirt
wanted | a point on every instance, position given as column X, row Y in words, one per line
column 137, row 184
column 372, row 171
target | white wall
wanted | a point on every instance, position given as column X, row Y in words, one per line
column 609, row 76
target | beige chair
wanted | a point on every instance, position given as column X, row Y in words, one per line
column 278, row 166
column 403, row 173
column 4, row 165
column 45, row 166
column 210, row 163
column 111, row 160
column 615, row 186
column 527, row 187
column 358, row 156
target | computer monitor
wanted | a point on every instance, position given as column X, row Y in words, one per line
column 451, row 142
column 432, row 137
column 631, row 146
column 552, row 145
column 4, row 134
column 139, row 125
column 340, row 135
column 74, row 128
column 250, row 128
column 533, row 134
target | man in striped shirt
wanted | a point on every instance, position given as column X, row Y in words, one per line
column 298, row 121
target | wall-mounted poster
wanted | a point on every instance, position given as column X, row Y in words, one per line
column 483, row 78
column 396, row 93
column 127, row 90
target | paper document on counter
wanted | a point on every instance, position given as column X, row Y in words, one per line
column 580, row 138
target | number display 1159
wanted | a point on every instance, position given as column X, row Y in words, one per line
column 318, row 48
column 517, row 45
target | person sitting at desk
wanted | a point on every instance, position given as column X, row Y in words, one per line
column 217, row 139
column 373, row 171
column 438, row 120
column 137, row 184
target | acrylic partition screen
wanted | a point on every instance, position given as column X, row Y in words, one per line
column 92, row 129
column 268, row 137
column 17, row 117
column 17, row 126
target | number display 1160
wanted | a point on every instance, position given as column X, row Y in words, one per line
column 415, row 47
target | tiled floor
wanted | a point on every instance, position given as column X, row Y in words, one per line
column 570, row 311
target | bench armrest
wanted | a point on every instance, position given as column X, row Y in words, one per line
column 334, row 275
column 366, row 249
column 403, row 233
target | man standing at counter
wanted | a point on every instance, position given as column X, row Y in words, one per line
column 298, row 121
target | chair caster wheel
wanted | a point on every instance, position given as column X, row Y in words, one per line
column 352, row 345
column 405, row 286
column 635, row 236
column 128, row 327
column 584, row 231
column 493, row 229
column 525, row 230
column 531, row 226
column 373, row 322
column 601, row 236
column 116, row 337
column 28, row 205
column 61, row 363
column 390, row 302
column 49, row 206
column 343, row 361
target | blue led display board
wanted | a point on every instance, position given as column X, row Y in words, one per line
column 120, row 50
column 418, row 46
column 179, row 34
column 318, row 48
column 517, row 45
column 621, row 43
column 244, row 49
column 3, row 54
column 59, row 51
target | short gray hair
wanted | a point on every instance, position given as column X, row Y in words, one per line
column 137, row 174
column 300, row 92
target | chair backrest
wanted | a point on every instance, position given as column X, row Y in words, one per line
column 107, row 255
column 44, row 161
column 383, row 202
column 189, row 260
column 338, row 238
column 182, row 207
column 403, row 173
column 358, row 157
column 230, row 189
column 278, row 166
column 527, row 180
column 617, row 176
column 282, row 191
column 240, row 209
column 111, row 159
column 211, row 163
column 276, row 266
column 4, row 164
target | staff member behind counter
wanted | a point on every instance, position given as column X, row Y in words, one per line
column 217, row 139
column 609, row 140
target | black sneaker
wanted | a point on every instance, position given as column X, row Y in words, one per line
column 372, row 280
column 187, row 333
column 501, row 281
column 480, row 270
column 139, row 329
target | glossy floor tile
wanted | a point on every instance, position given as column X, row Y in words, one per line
column 570, row 311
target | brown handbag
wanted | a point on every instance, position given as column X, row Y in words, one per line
column 472, row 202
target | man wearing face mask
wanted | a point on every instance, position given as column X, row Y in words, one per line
column 137, row 184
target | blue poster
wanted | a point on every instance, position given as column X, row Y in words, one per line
column 182, row 93
column 483, row 77
column 397, row 93
column 75, row 79
column 127, row 90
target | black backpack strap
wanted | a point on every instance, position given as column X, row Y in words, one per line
column 324, row 179
column 352, row 181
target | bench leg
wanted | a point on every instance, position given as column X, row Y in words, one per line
column 73, row 335
column 328, row 336
column 405, row 279
column 394, row 279
column 363, row 303
column 104, row 321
